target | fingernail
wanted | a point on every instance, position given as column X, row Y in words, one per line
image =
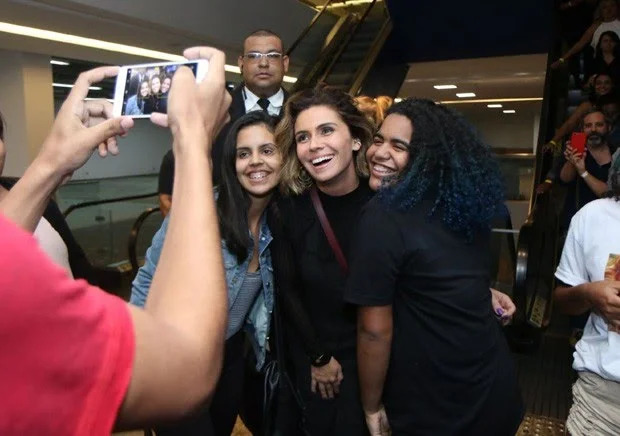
column 499, row 311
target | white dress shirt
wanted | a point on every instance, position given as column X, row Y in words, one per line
column 251, row 102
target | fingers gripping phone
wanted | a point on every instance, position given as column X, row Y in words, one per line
column 578, row 142
column 143, row 89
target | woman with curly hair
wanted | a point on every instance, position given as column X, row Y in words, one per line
column 420, row 276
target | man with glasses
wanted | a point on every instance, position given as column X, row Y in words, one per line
column 263, row 65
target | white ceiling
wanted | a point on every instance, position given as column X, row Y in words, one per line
column 498, row 77
column 489, row 78
column 167, row 26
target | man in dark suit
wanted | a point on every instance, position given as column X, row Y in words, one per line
column 263, row 65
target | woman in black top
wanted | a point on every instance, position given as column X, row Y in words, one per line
column 419, row 272
column 323, row 138
column 607, row 57
column 153, row 102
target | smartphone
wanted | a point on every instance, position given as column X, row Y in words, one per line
column 143, row 89
column 578, row 142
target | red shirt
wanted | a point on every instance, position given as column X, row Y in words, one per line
column 66, row 348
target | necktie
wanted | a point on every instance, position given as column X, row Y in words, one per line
column 264, row 104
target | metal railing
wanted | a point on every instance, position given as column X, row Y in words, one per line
column 106, row 201
column 132, row 242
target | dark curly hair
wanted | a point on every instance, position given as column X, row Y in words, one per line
column 613, row 182
column 450, row 166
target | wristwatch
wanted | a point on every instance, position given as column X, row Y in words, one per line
column 319, row 360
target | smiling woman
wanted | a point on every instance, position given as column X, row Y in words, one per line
column 323, row 138
column 250, row 170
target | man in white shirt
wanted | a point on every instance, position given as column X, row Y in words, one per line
column 589, row 276
column 263, row 65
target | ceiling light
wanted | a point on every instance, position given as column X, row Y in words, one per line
column 67, row 38
column 55, row 62
column 68, row 85
column 509, row 111
column 398, row 100
column 444, row 86
column 491, row 100
column 465, row 94
column 494, row 105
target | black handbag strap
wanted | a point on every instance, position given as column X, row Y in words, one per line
column 329, row 232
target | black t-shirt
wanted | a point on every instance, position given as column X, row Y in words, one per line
column 322, row 283
column 166, row 174
column 579, row 193
column 450, row 369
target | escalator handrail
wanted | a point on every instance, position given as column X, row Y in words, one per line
column 349, row 38
column 106, row 201
column 547, row 115
column 542, row 207
column 507, row 225
column 132, row 241
column 304, row 32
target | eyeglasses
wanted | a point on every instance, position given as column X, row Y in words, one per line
column 255, row 56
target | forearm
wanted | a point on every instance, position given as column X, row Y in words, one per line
column 572, row 300
column 597, row 186
column 579, row 45
column 568, row 172
column 189, row 288
column 26, row 201
column 373, row 354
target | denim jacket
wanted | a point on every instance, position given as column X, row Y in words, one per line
column 258, row 320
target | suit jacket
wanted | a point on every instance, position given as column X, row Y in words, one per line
column 236, row 111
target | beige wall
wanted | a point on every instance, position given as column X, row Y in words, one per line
column 26, row 102
column 501, row 130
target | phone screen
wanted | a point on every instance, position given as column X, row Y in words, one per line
column 578, row 142
column 146, row 88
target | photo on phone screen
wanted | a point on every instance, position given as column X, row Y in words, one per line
column 146, row 88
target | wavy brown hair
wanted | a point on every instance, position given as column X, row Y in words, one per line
column 295, row 179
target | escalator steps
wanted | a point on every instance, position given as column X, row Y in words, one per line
column 541, row 426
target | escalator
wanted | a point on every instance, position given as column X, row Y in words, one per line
column 342, row 55
column 539, row 335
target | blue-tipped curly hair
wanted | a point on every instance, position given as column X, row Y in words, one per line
column 449, row 166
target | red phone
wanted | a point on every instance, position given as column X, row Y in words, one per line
column 578, row 142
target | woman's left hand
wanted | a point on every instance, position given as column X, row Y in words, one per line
column 326, row 379
column 503, row 306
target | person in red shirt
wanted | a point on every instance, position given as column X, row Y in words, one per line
column 75, row 360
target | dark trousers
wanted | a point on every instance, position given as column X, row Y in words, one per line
column 218, row 419
column 341, row 416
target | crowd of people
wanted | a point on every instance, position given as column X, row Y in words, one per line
column 587, row 276
column 147, row 90
column 322, row 269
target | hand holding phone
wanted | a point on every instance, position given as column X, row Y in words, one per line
column 143, row 89
column 203, row 105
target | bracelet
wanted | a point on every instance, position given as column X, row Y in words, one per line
column 548, row 181
column 584, row 174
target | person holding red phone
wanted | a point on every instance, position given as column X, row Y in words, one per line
column 587, row 155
